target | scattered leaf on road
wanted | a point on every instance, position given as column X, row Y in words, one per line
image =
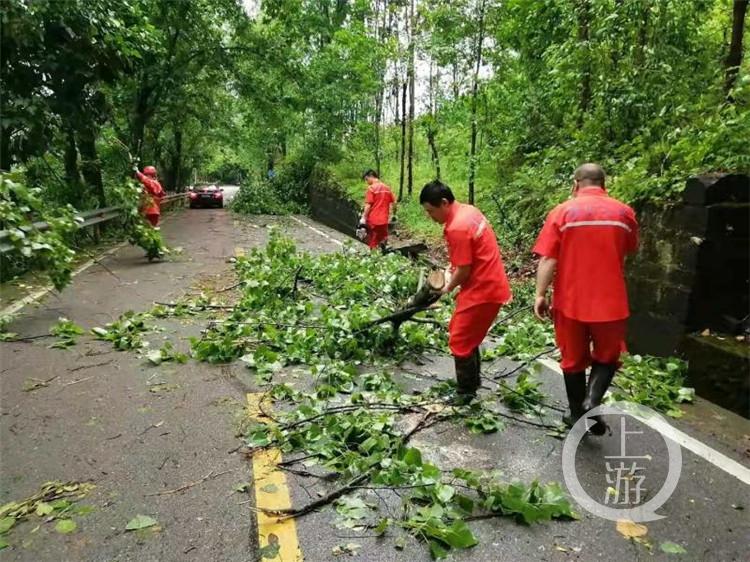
column 140, row 522
column 43, row 508
column 672, row 548
column 629, row 529
column 65, row 526
column 350, row 549
column 6, row 523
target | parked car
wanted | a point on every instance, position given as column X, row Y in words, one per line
column 206, row 195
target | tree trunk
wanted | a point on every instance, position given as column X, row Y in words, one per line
column 474, row 96
column 378, row 115
column 431, row 138
column 403, row 140
column 454, row 81
column 176, row 164
column 5, row 155
column 734, row 57
column 584, row 17
column 410, row 183
column 90, row 165
column 70, row 160
column 140, row 117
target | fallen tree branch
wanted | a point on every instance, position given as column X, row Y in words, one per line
column 196, row 306
column 352, row 484
column 528, row 422
column 209, row 476
column 230, row 287
column 509, row 316
column 524, row 364
column 80, row 367
column 322, row 502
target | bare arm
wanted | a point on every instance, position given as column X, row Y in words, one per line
column 460, row 275
column 545, row 273
column 366, row 212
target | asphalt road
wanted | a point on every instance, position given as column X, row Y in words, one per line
column 162, row 441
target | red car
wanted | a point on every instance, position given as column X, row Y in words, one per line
column 206, row 195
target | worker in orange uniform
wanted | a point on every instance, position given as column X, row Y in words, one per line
column 380, row 207
column 153, row 193
column 583, row 245
column 477, row 268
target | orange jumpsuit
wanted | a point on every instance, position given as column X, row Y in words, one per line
column 471, row 241
column 589, row 236
column 153, row 193
column 380, row 198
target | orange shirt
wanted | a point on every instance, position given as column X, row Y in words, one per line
column 589, row 236
column 380, row 198
column 471, row 241
column 153, row 192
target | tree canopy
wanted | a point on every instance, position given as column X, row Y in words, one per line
column 502, row 99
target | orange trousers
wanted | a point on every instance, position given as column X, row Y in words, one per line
column 376, row 233
column 581, row 343
column 469, row 327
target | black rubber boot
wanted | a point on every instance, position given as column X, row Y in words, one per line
column 599, row 380
column 467, row 378
column 575, row 388
column 477, row 355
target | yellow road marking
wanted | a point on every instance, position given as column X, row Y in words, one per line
column 272, row 492
column 239, row 252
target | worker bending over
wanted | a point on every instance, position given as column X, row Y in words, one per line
column 477, row 268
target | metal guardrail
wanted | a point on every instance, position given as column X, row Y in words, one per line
column 90, row 218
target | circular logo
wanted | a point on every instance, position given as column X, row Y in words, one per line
column 623, row 472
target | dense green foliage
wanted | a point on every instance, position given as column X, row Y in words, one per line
column 298, row 308
column 87, row 84
column 284, row 192
column 640, row 86
column 27, row 246
column 508, row 97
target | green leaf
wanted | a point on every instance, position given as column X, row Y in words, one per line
column 65, row 526
column 445, row 493
column 82, row 509
column 672, row 548
column 3, row 544
column 383, row 525
column 140, row 522
column 6, row 523
column 60, row 505
column 413, row 457
column 43, row 508
column 460, row 536
column 437, row 550
column 270, row 489
column 270, row 551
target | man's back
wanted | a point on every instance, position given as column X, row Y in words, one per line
column 380, row 197
column 471, row 241
column 589, row 236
